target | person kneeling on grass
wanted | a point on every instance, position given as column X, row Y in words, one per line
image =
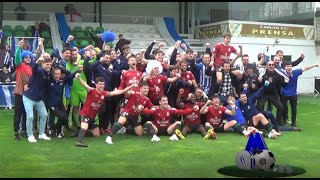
column 214, row 113
column 129, row 114
column 162, row 122
column 94, row 100
column 237, row 121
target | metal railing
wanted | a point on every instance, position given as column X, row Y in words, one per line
column 31, row 16
column 121, row 19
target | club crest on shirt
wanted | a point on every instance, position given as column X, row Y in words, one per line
column 159, row 80
column 168, row 114
column 102, row 96
column 188, row 76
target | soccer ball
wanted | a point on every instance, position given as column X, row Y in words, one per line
column 245, row 160
column 264, row 160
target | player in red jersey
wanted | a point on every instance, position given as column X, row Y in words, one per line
column 162, row 123
column 188, row 77
column 192, row 121
column 136, row 103
column 157, row 81
column 131, row 76
column 214, row 114
column 92, row 105
column 221, row 54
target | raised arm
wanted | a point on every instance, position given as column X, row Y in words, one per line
column 17, row 59
column 39, row 48
column 298, row 61
column 174, row 79
column 149, row 49
column 83, row 83
column 118, row 92
column 306, row 68
column 204, row 108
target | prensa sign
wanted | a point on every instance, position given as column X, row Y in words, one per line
column 240, row 29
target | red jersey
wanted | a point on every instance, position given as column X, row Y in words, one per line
column 222, row 53
column 192, row 118
column 186, row 76
column 141, row 67
column 23, row 74
column 130, row 77
column 134, row 101
column 93, row 102
column 162, row 117
column 159, row 81
column 214, row 116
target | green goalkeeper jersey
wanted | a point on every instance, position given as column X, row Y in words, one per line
column 76, row 86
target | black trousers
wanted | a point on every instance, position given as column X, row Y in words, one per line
column 107, row 111
column 61, row 113
column 293, row 100
column 19, row 114
column 275, row 100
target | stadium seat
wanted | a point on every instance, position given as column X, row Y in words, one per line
column 76, row 43
column 92, row 42
column 48, row 50
column 29, row 28
column 48, row 43
column 99, row 29
column 80, row 35
column 84, row 43
column 20, row 34
column 45, row 34
column 8, row 33
column 29, row 33
column 19, row 28
column 77, row 29
column 7, row 28
column 88, row 28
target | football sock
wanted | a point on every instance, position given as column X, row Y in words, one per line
column 115, row 128
column 75, row 118
column 238, row 128
column 177, row 126
column 81, row 134
column 268, row 127
column 150, row 129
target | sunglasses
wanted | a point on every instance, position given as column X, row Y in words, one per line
column 270, row 64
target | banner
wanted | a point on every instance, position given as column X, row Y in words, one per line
column 254, row 30
column 272, row 31
column 212, row 31
column 6, row 95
